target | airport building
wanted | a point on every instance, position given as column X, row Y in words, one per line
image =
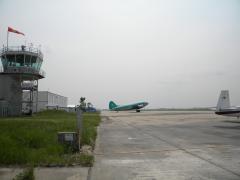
column 45, row 99
column 20, row 71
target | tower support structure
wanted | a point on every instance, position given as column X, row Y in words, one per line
column 20, row 71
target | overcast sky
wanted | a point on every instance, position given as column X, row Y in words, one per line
column 171, row 53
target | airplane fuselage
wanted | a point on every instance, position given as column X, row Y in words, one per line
column 233, row 112
column 135, row 106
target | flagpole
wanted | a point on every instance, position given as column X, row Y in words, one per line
column 14, row 31
column 7, row 39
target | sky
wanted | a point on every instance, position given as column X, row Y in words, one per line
column 170, row 53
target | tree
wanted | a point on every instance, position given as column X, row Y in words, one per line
column 82, row 104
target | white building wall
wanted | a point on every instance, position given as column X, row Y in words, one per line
column 42, row 96
column 46, row 100
column 57, row 100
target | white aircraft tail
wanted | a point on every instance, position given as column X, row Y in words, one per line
column 223, row 100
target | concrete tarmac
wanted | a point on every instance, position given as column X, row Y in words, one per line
column 44, row 173
column 167, row 145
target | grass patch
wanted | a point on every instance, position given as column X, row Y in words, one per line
column 33, row 140
column 89, row 133
column 27, row 174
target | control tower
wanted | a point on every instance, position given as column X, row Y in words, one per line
column 20, row 71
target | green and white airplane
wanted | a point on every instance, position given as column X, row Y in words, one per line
column 135, row 106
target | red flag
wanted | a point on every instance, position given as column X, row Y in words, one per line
column 15, row 31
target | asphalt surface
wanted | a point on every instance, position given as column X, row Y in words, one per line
column 167, row 145
column 53, row 173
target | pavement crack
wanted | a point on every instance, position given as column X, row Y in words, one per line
column 184, row 150
column 139, row 152
column 89, row 175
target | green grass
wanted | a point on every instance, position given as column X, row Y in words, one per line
column 27, row 174
column 33, row 140
column 89, row 133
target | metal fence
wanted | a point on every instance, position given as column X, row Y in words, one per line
column 4, row 111
column 20, row 49
column 67, row 109
column 7, row 109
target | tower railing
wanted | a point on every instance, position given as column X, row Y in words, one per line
column 22, row 48
column 20, row 70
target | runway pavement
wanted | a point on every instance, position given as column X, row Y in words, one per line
column 167, row 145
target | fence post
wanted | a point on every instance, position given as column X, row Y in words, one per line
column 79, row 126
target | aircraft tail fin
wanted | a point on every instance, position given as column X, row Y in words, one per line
column 112, row 105
column 223, row 100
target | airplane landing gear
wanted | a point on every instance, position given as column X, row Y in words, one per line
column 137, row 110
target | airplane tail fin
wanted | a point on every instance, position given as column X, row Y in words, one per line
column 223, row 100
column 112, row 105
